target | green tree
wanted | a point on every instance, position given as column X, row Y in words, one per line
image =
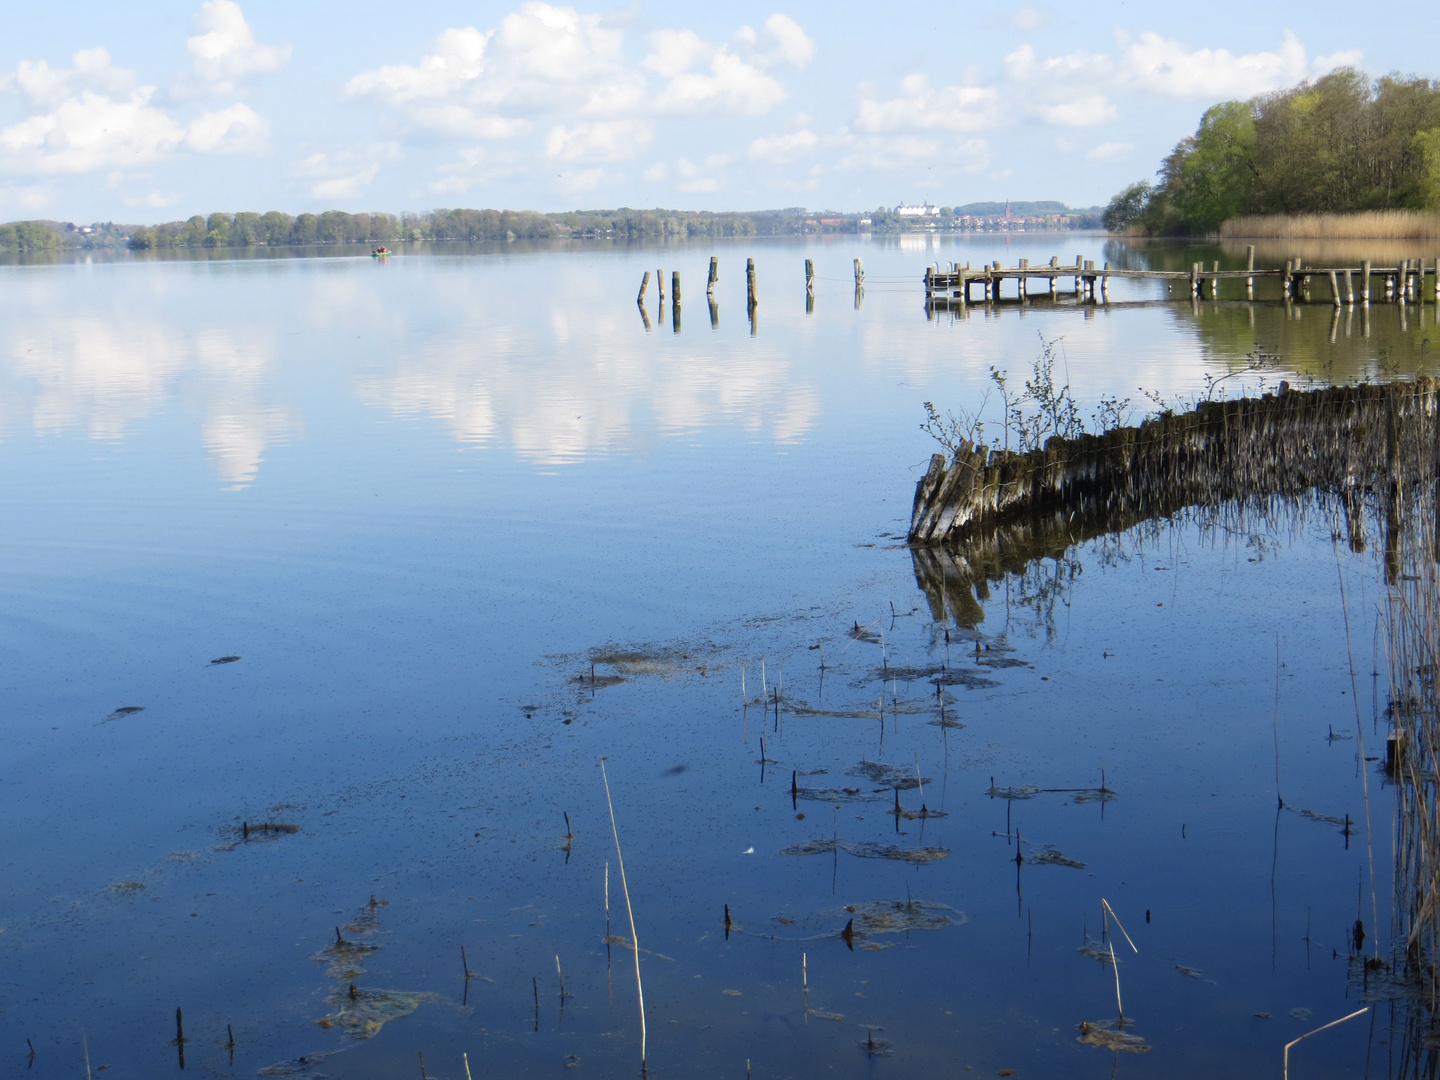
column 1127, row 206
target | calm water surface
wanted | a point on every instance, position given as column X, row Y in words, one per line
column 420, row 498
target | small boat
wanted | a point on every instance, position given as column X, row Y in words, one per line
column 381, row 252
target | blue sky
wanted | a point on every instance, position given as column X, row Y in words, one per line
column 155, row 111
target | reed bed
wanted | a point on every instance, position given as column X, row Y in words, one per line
column 1366, row 224
column 1341, row 439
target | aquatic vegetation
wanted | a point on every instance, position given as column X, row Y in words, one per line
column 361, row 1014
column 124, row 711
column 1049, row 855
column 901, row 777
column 1111, row 1035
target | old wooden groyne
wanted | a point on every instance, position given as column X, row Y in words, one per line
column 1351, row 439
column 1402, row 283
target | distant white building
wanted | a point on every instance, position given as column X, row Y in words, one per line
column 923, row 210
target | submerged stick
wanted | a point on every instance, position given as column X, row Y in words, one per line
column 629, row 910
column 85, row 1043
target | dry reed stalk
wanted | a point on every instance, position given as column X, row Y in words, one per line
column 629, row 910
column 85, row 1042
column 1368, row 224
column 466, row 1058
column 1285, row 1074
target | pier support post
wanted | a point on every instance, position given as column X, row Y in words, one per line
column 1194, row 279
column 1079, row 282
column 644, row 284
column 1365, row 281
column 1349, row 286
column 750, row 281
column 660, row 284
column 1437, row 279
column 1105, row 285
column 675, row 288
column 1334, row 292
column 1215, row 282
column 714, row 276
column 1250, row 270
column 859, row 274
column 809, row 277
column 1054, row 262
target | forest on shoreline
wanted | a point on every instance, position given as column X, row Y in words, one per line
column 1341, row 144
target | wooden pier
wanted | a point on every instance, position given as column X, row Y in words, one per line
column 1402, row 283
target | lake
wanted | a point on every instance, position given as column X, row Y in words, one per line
column 463, row 522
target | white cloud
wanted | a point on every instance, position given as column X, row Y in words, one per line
column 1165, row 67
column 1028, row 17
column 546, row 62
column 1109, row 151
column 25, row 198
column 701, row 178
column 88, row 132
column 236, row 130
column 920, row 108
column 612, row 140
column 580, row 182
column 47, row 87
column 784, row 149
column 155, row 200
column 224, row 52
column 791, row 46
column 345, row 174
column 1081, row 112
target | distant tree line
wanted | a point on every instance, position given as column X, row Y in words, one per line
column 29, row 237
column 338, row 227
column 1341, row 143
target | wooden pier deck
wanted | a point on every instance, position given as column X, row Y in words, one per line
column 1401, row 283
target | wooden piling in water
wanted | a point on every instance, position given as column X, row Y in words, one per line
column 644, row 284
column 1334, row 288
column 660, row 285
column 675, row 287
column 750, row 281
column 859, row 273
column 714, row 276
column 1365, row 281
column 810, row 277
column 1250, row 267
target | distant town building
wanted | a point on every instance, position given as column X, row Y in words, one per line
column 922, row 210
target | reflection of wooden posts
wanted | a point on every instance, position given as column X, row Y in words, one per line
column 644, row 284
column 1335, row 320
column 714, row 276
column 714, row 313
column 1334, row 290
column 859, row 274
column 1250, row 271
column 1022, row 279
column 750, row 282
column 675, row 305
column 810, row 277
column 1365, row 283
column 644, row 315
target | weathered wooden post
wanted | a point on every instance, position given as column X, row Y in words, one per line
column 1054, row 262
column 1194, row 279
column 1286, row 280
column 1437, row 279
column 1389, row 286
column 1349, row 286
column 714, row 276
column 859, row 274
column 750, row 281
column 1090, row 278
column 675, row 288
column 1215, row 282
column 1250, row 270
column 1105, row 285
column 810, row 277
column 1022, row 279
column 1365, row 283
column 1334, row 293
column 660, row 284
column 1079, row 281
column 644, row 284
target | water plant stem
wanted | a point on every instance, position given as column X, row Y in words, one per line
column 629, row 909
